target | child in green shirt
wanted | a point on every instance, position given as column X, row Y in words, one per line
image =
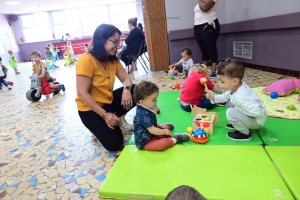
column 12, row 61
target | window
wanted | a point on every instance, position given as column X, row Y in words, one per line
column 27, row 21
column 120, row 13
column 92, row 17
column 67, row 21
column 36, row 27
column 58, row 17
column 78, row 21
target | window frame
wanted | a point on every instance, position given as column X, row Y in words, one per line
column 32, row 18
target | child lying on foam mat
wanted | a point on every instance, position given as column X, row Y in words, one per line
column 284, row 87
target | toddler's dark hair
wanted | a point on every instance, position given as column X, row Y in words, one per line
column 188, row 51
column 143, row 90
column 86, row 44
column 231, row 68
column 186, row 193
column 36, row 53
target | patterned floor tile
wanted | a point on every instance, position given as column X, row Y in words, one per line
column 47, row 153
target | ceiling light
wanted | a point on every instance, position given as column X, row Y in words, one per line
column 12, row 2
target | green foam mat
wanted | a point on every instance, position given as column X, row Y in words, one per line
column 287, row 161
column 216, row 171
column 172, row 113
column 280, row 132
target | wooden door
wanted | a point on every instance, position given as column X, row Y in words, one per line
column 156, row 33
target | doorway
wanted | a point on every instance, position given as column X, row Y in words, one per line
column 5, row 45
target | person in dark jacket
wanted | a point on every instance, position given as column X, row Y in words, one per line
column 133, row 42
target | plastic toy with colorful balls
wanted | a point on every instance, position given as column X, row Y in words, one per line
column 204, row 120
column 199, row 136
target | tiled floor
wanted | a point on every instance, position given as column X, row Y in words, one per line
column 46, row 152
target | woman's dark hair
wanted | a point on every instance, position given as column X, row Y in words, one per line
column 133, row 21
column 141, row 26
column 67, row 34
column 101, row 34
column 186, row 193
column 143, row 90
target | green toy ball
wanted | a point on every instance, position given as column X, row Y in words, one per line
column 207, row 119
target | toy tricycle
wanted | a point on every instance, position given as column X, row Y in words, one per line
column 39, row 86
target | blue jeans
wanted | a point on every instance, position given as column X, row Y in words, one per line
column 205, row 103
column 2, row 81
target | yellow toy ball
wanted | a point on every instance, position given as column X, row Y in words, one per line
column 206, row 130
column 189, row 130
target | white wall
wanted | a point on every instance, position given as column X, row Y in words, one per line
column 180, row 13
column 139, row 13
column 18, row 31
column 222, row 11
column 6, row 29
column 241, row 10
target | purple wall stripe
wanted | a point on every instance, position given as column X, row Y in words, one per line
column 276, row 41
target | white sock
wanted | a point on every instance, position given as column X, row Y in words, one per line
column 174, row 140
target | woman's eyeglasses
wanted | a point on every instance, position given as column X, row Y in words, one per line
column 116, row 42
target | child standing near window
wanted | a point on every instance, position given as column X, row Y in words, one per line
column 13, row 62
column 183, row 66
column 192, row 92
column 69, row 44
column 53, row 59
column 148, row 134
column 68, row 56
column 50, row 57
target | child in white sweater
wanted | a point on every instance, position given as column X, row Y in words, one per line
column 245, row 110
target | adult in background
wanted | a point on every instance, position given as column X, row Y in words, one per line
column 133, row 42
column 101, row 109
column 206, row 31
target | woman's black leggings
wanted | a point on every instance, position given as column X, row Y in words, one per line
column 111, row 139
column 206, row 36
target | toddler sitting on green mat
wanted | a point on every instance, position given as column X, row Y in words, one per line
column 148, row 134
column 245, row 110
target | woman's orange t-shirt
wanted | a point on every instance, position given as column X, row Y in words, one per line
column 102, row 79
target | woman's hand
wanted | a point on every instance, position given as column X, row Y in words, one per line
column 111, row 120
column 126, row 99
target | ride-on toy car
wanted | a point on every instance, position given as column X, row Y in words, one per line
column 39, row 86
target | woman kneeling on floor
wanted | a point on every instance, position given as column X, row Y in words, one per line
column 101, row 109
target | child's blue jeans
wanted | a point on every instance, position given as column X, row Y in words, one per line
column 205, row 103
column 2, row 81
